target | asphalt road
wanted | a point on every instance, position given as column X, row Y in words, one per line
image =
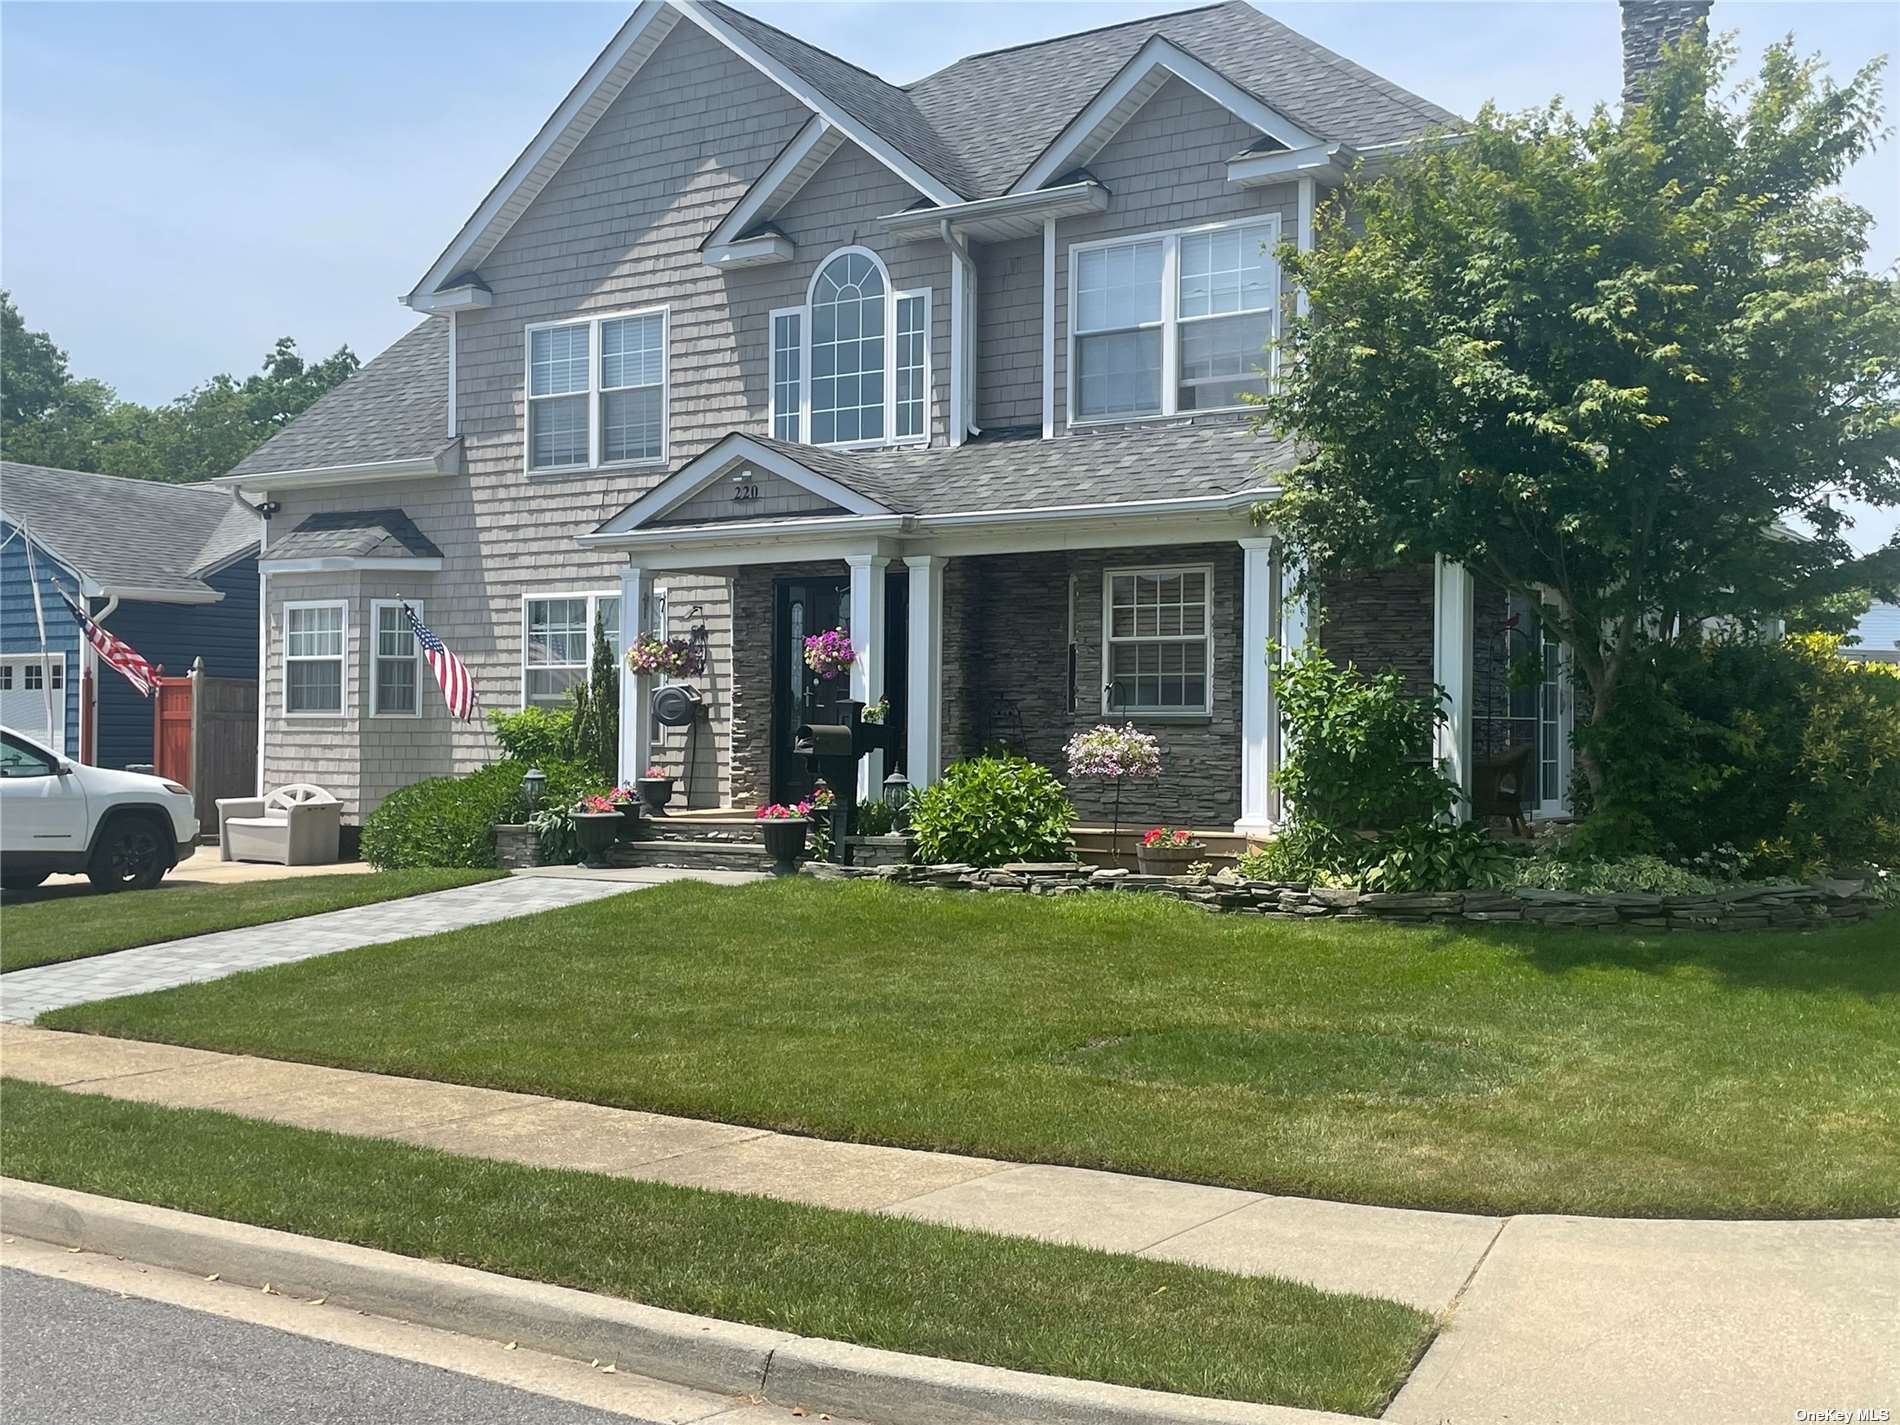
column 73, row 1353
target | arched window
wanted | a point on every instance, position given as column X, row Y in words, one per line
column 847, row 350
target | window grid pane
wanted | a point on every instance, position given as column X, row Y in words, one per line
column 632, row 352
column 1119, row 374
column 1118, row 287
column 630, row 424
column 1157, row 658
column 314, row 685
column 847, row 352
column 1225, row 272
column 557, row 432
column 313, row 632
column 785, row 374
column 557, row 360
column 910, row 366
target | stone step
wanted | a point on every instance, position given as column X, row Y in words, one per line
column 690, row 855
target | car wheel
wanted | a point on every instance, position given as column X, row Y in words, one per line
column 129, row 857
column 22, row 880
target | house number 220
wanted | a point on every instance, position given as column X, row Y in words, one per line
column 743, row 492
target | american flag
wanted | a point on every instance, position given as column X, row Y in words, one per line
column 119, row 654
column 458, row 689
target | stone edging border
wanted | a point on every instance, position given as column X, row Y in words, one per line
column 1821, row 903
column 699, row 1351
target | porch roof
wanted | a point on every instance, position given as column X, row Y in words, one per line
column 1008, row 471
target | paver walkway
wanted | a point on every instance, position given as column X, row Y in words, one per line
column 27, row 994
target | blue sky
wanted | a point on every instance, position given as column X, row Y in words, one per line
column 182, row 184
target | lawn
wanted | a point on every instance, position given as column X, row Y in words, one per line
column 1483, row 1069
column 850, row 1276
column 71, row 922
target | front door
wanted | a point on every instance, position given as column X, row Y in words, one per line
column 803, row 607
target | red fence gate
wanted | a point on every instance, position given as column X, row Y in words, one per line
column 171, row 728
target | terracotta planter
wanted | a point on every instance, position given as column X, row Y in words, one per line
column 1168, row 860
column 594, row 832
column 655, row 793
column 785, row 842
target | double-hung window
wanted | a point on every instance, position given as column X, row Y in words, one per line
column 852, row 366
column 597, row 392
column 395, row 661
column 315, row 635
column 1157, row 641
column 1172, row 323
column 556, row 630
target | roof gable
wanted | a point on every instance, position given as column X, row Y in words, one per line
column 778, row 473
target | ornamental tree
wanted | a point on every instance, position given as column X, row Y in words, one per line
column 1615, row 358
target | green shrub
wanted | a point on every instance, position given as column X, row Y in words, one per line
column 1353, row 746
column 1437, row 856
column 1623, row 875
column 990, row 810
column 535, row 736
column 450, row 821
column 1787, row 750
column 596, row 721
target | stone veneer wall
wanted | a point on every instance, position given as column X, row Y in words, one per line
column 1380, row 621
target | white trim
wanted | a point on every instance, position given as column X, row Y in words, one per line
column 375, row 656
column 1206, row 640
column 889, row 438
column 341, row 658
column 924, row 688
column 593, row 321
column 921, row 437
column 636, row 725
column 707, row 467
column 347, row 563
column 959, row 345
column 1452, row 594
column 456, row 299
column 1049, row 329
column 1170, row 322
column 1303, row 236
column 1000, row 218
column 1256, row 688
column 263, row 651
column 802, row 315
column 452, row 378
column 868, row 676
column 808, row 150
column 1328, row 163
column 313, row 476
column 1089, row 131
column 591, row 598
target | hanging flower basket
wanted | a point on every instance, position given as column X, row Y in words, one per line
column 666, row 657
column 830, row 654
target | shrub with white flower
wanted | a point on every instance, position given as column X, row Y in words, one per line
column 1118, row 753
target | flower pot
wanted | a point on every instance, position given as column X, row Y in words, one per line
column 1167, row 860
column 785, row 842
column 594, row 832
column 630, row 819
column 655, row 793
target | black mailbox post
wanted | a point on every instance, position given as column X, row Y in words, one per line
column 832, row 749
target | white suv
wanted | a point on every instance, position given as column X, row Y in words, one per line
column 124, row 830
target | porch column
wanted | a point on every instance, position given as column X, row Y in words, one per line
column 1451, row 670
column 1293, row 618
column 924, row 700
column 1256, row 702
column 636, row 726
column 867, row 669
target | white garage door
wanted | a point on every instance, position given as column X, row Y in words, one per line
column 24, row 688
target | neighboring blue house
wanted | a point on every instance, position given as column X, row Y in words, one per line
column 169, row 569
column 1879, row 635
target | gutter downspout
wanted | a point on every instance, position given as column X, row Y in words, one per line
column 962, row 335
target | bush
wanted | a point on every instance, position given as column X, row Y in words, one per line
column 450, row 821
column 1787, row 750
column 991, row 810
column 535, row 736
column 1624, row 875
column 1353, row 743
column 1437, row 856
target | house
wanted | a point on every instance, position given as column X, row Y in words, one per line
column 749, row 343
column 169, row 569
column 1877, row 636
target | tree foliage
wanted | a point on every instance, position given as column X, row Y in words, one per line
column 1608, row 357
column 48, row 416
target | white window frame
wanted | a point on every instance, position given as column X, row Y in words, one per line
column 376, row 658
column 341, row 658
column 593, row 322
column 1171, row 320
column 592, row 598
column 1109, row 641
column 892, row 296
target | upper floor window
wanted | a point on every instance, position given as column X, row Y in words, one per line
column 1171, row 323
column 597, row 392
column 852, row 366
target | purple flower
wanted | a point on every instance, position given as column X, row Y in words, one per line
column 1105, row 751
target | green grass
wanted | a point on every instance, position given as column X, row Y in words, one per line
column 43, row 927
column 878, row 1281
column 1482, row 1069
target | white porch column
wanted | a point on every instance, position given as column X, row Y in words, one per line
column 1451, row 670
column 867, row 670
column 636, row 725
column 1256, row 702
column 1293, row 618
column 924, row 697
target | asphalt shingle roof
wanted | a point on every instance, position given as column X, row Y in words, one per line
column 999, row 111
column 355, row 534
column 395, row 408
column 130, row 534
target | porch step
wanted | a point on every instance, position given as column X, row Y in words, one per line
column 700, row 828
column 691, row 855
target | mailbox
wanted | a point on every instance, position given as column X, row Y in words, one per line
column 832, row 749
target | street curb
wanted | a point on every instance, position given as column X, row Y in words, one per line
column 830, row 1376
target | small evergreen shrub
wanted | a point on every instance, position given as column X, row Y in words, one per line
column 450, row 821
column 991, row 810
column 535, row 736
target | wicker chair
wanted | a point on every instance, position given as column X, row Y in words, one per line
column 1498, row 785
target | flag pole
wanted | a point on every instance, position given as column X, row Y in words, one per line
column 46, row 662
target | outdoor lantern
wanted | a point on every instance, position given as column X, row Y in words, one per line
column 897, row 798
column 533, row 786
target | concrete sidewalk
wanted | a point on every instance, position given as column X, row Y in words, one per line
column 1548, row 1319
